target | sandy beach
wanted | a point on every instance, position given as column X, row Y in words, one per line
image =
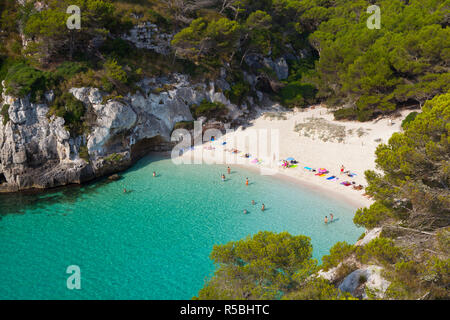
column 315, row 140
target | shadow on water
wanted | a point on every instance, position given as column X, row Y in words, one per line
column 21, row 202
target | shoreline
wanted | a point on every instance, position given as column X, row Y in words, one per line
column 330, row 193
column 314, row 139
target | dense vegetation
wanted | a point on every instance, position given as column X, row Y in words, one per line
column 412, row 205
column 366, row 72
column 267, row 266
column 416, row 164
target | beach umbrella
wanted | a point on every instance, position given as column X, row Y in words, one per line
column 290, row 159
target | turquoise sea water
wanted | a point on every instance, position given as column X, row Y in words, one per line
column 153, row 242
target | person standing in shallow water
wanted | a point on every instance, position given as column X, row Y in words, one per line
column 331, row 217
column 154, row 174
column 229, row 170
column 326, row 219
column 246, row 181
column 253, row 202
column 223, row 177
column 263, row 207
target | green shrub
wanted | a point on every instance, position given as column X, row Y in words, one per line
column 238, row 92
column 360, row 114
column 338, row 252
column 188, row 125
column 114, row 158
column 297, row 94
column 84, row 153
column 373, row 216
column 380, row 250
column 345, row 114
column 409, row 118
column 318, row 289
column 72, row 110
column 5, row 114
column 22, row 80
column 114, row 71
column 116, row 48
column 210, row 110
column 67, row 70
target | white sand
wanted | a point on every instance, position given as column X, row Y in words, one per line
column 356, row 153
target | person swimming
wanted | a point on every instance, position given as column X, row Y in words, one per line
column 246, row 181
column 154, row 173
column 223, row 177
column 331, row 217
column 263, row 207
column 229, row 170
column 326, row 219
column 253, row 202
column 124, row 190
column 245, row 211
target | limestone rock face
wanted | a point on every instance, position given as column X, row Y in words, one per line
column 147, row 36
column 37, row 151
column 369, row 236
column 279, row 66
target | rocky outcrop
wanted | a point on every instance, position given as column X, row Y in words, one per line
column 365, row 280
column 147, row 36
column 279, row 66
column 369, row 236
column 36, row 151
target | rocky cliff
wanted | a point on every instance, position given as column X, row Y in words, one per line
column 37, row 151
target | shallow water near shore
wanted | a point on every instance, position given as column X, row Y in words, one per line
column 154, row 241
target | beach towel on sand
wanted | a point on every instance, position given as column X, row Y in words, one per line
column 331, row 178
column 308, row 168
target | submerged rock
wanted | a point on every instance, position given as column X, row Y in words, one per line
column 114, row 177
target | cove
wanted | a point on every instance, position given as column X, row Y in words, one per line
column 154, row 241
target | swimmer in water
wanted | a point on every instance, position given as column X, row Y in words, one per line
column 326, row 219
column 246, row 181
column 331, row 217
column 124, row 190
column 154, row 174
column 263, row 207
column 223, row 177
column 245, row 211
column 253, row 202
column 229, row 170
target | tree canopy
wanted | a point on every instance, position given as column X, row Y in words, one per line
column 414, row 186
